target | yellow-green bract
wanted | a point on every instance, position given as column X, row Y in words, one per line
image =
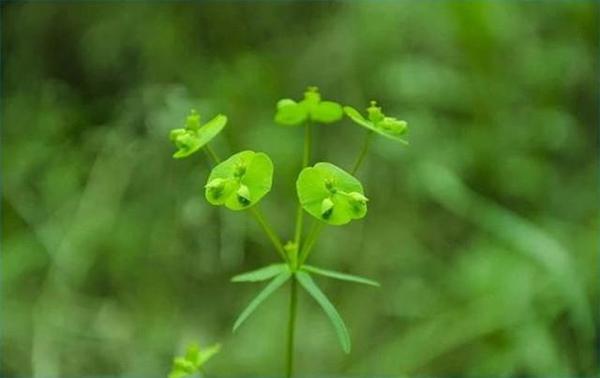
column 240, row 181
column 378, row 122
column 331, row 194
column 290, row 112
column 194, row 136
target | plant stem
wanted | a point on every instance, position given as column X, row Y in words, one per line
column 297, row 236
column 266, row 227
column 305, row 162
column 363, row 151
column 211, row 153
column 309, row 242
column 291, row 328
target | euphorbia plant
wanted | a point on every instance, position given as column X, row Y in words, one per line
column 328, row 193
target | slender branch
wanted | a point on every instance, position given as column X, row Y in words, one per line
column 310, row 240
column 291, row 327
column 363, row 151
column 305, row 162
column 307, row 145
column 266, row 226
column 211, row 153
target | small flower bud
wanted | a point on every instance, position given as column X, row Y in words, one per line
column 393, row 126
column 312, row 95
column 217, row 183
column 330, row 185
column 375, row 114
column 358, row 197
column 185, row 140
column 240, row 170
column 326, row 208
column 291, row 249
column 215, row 187
column 176, row 133
column 192, row 121
column 243, row 195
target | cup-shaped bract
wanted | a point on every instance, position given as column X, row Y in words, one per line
column 378, row 122
column 290, row 112
column 194, row 135
column 331, row 194
column 240, row 181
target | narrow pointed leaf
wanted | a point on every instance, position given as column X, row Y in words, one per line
column 339, row 275
column 340, row 328
column 264, row 294
column 261, row 274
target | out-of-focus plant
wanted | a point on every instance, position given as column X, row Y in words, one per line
column 193, row 361
column 331, row 195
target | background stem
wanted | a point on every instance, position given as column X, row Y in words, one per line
column 305, row 162
column 291, row 328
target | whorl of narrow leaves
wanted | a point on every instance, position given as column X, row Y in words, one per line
column 331, row 194
column 290, row 112
column 194, row 136
column 378, row 122
column 240, row 181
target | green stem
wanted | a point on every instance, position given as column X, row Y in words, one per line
column 294, row 262
column 211, row 153
column 305, row 162
column 266, row 226
column 291, row 328
column 307, row 145
column 363, row 152
column 310, row 240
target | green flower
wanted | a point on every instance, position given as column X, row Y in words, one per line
column 331, row 194
column 290, row 112
column 240, row 181
column 378, row 122
column 194, row 136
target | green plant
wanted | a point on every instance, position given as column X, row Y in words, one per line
column 331, row 195
column 193, row 361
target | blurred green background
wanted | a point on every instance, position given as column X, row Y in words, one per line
column 484, row 232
